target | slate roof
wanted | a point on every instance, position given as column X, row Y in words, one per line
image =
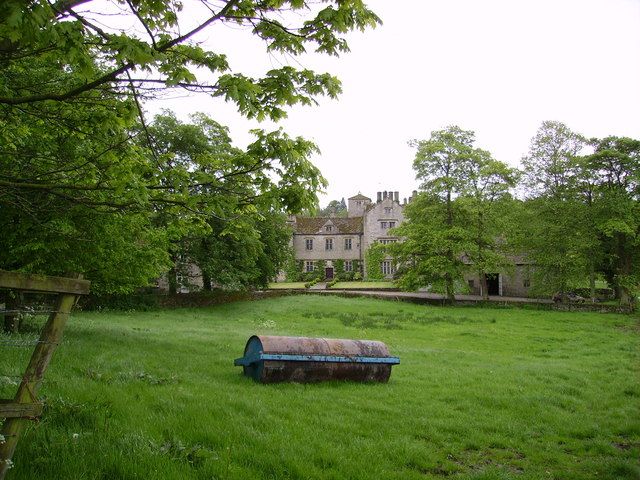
column 314, row 225
column 359, row 197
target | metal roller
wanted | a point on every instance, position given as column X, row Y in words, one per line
column 270, row 359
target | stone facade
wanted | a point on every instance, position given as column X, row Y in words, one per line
column 328, row 239
column 515, row 282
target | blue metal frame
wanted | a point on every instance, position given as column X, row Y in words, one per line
column 260, row 356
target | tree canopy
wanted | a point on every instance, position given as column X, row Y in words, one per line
column 452, row 223
column 88, row 184
column 578, row 220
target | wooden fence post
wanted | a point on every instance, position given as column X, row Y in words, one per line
column 24, row 406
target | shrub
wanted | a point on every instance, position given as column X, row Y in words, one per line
column 308, row 276
column 320, row 269
column 338, row 266
column 375, row 254
column 311, row 283
column 292, row 268
column 347, row 276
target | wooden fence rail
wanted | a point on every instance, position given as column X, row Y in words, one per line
column 24, row 407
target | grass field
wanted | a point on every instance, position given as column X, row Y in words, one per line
column 286, row 285
column 363, row 285
column 480, row 394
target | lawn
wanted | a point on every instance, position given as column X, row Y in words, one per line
column 363, row 285
column 286, row 285
column 480, row 394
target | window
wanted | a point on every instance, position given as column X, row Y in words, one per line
column 388, row 210
column 347, row 244
column 308, row 266
column 392, row 224
column 328, row 228
column 526, row 283
column 359, row 203
column 387, row 241
column 328, row 244
column 471, row 283
column 348, row 266
column 309, row 243
column 388, row 268
column 384, row 225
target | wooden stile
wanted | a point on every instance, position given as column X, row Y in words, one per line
column 24, row 406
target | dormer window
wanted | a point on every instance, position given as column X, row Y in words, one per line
column 388, row 210
column 328, row 228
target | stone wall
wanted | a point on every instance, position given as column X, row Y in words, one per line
column 319, row 251
column 512, row 283
column 357, row 205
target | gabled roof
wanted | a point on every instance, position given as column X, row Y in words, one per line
column 315, row 225
column 359, row 197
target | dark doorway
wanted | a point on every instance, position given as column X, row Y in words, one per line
column 328, row 273
column 493, row 283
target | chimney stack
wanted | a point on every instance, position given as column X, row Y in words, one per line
column 384, row 195
column 379, row 197
column 396, row 196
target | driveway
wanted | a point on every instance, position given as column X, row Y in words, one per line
column 427, row 297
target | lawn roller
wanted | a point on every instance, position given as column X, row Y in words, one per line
column 271, row 359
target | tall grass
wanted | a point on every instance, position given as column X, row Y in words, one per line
column 480, row 394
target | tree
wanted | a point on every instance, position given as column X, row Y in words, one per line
column 557, row 233
column 335, row 208
column 163, row 51
column 71, row 163
column 615, row 166
column 76, row 190
column 454, row 225
column 242, row 239
column 436, row 239
column 549, row 168
column 486, row 199
column 241, row 254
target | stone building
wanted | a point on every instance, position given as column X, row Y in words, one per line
column 320, row 241
column 515, row 282
column 323, row 240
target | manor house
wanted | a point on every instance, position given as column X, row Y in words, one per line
column 324, row 240
column 319, row 242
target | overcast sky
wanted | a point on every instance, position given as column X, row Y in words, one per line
column 497, row 67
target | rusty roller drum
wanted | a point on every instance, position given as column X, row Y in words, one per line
column 270, row 359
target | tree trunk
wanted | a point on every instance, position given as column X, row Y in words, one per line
column 484, row 288
column 448, row 278
column 11, row 321
column 451, row 298
column 592, row 281
column 624, row 269
column 172, row 276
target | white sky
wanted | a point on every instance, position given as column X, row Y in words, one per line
column 497, row 67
